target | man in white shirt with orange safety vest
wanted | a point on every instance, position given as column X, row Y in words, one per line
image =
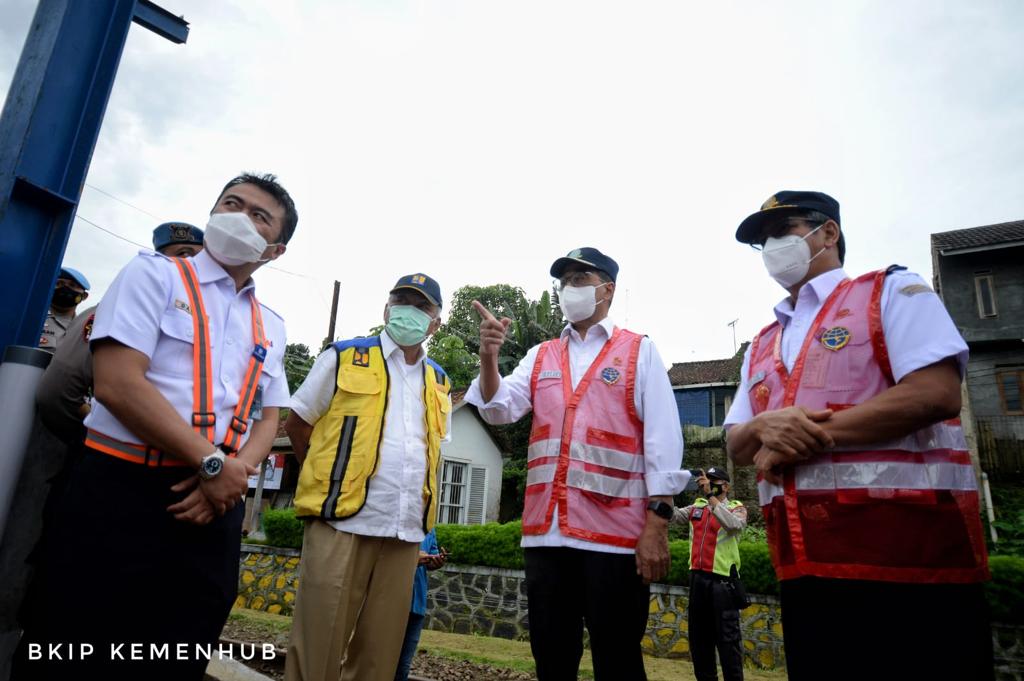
column 849, row 407
column 603, row 464
column 367, row 426
column 189, row 375
column 713, row 617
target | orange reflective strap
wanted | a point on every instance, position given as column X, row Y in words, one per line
column 204, row 419
column 247, row 395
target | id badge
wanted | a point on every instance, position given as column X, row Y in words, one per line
column 256, row 412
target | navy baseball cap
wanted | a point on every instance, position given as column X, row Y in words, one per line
column 783, row 204
column 714, row 473
column 176, row 233
column 422, row 283
column 75, row 276
column 586, row 256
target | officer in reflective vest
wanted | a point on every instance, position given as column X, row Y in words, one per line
column 367, row 425
column 189, row 377
column 713, row 619
column 849, row 407
column 602, row 466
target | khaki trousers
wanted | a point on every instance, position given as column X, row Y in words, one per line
column 352, row 606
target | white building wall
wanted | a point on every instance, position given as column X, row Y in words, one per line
column 471, row 443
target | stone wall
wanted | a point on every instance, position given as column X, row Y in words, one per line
column 492, row 602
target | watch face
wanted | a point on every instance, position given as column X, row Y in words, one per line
column 212, row 466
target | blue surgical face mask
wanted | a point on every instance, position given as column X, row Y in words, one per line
column 407, row 325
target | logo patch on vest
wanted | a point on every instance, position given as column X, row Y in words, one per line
column 835, row 338
column 761, row 395
column 610, row 375
column 553, row 373
column 697, row 513
column 361, row 357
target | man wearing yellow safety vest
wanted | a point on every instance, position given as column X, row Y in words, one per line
column 716, row 523
column 367, row 426
column 140, row 567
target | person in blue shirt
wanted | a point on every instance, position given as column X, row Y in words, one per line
column 431, row 558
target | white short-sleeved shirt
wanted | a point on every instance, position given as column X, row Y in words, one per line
column 147, row 309
column 655, row 405
column 918, row 329
column 394, row 500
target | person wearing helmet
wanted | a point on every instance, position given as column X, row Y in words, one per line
column 716, row 523
column 71, row 289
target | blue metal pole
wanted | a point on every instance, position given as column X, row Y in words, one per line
column 48, row 131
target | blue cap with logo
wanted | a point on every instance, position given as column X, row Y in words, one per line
column 75, row 276
column 176, row 233
column 422, row 283
column 586, row 256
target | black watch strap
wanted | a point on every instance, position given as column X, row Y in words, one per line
column 661, row 509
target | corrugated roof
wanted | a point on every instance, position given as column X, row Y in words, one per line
column 979, row 237
column 710, row 371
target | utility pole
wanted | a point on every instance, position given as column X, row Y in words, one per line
column 334, row 312
column 733, row 325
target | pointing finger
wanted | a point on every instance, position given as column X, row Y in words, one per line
column 483, row 311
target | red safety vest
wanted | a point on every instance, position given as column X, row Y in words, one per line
column 586, row 446
column 905, row 510
column 204, row 419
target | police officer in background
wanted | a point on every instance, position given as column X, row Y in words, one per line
column 62, row 399
column 71, row 289
column 716, row 523
column 189, row 377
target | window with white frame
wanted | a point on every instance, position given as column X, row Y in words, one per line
column 986, row 294
column 463, row 493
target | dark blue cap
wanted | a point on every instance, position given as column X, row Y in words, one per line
column 588, row 256
column 74, row 275
column 716, row 474
column 176, row 233
column 783, row 204
column 422, row 283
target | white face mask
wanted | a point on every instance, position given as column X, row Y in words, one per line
column 232, row 239
column 788, row 258
column 578, row 302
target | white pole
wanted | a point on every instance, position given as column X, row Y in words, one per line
column 988, row 507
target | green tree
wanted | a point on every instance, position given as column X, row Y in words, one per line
column 297, row 363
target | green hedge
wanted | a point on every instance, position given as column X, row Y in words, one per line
column 497, row 545
column 282, row 528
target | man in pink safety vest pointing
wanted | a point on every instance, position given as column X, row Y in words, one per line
column 603, row 463
column 849, row 406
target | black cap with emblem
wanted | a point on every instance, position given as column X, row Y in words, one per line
column 176, row 233
column 714, row 473
column 586, row 256
column 782, row 204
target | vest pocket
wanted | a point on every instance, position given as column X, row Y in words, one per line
column 604, row 438
column 358, row 392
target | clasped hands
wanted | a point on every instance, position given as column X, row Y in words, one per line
column 208, row 499
column 788, row 436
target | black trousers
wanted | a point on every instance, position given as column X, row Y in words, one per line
column 851, row 629
column 713, row 622
column 116, row 568
column 568, row 588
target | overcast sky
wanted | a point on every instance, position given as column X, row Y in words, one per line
column 477, row 141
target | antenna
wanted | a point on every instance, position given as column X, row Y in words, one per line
column 733, row 325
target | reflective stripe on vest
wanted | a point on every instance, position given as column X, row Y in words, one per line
column 586, row 448
column 900, row 510
column 204, row 418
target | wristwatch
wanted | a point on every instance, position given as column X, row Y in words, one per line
column 661, row 509
column 211, row 465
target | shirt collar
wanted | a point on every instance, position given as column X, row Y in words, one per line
column 813, row 292
column 388, row 347
column 606, row 324
column 209, row 270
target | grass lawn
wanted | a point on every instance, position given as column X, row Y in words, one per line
column 497, row 652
